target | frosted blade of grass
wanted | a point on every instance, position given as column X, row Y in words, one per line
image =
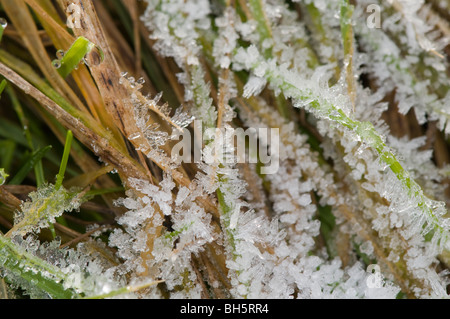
column 226, row 215
column 321, row 30
column 37, row 272
column 38, row 168
column 29, row 165
column 264, row 29
column 125, row 290
column 3, row 85
column 74, row 56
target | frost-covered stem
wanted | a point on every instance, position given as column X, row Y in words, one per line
column 125, row 290
column 226, row 192
column 226, row 211
column 201, row 93
column 225, row 187
column 221, row 102
column 34, row 270
column 321, row 32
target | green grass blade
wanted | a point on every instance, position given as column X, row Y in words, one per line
column 74, row 56
column 29, row 165
column 65, row 159
column 347, row 39
column 3, row 176
column 3, row 25
column 37, row 272
column 14, row 133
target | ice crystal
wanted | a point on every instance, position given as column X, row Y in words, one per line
column 44, row 206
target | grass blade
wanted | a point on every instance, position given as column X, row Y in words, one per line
column 38, row 168
column 3, row 85
column 32, row 269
